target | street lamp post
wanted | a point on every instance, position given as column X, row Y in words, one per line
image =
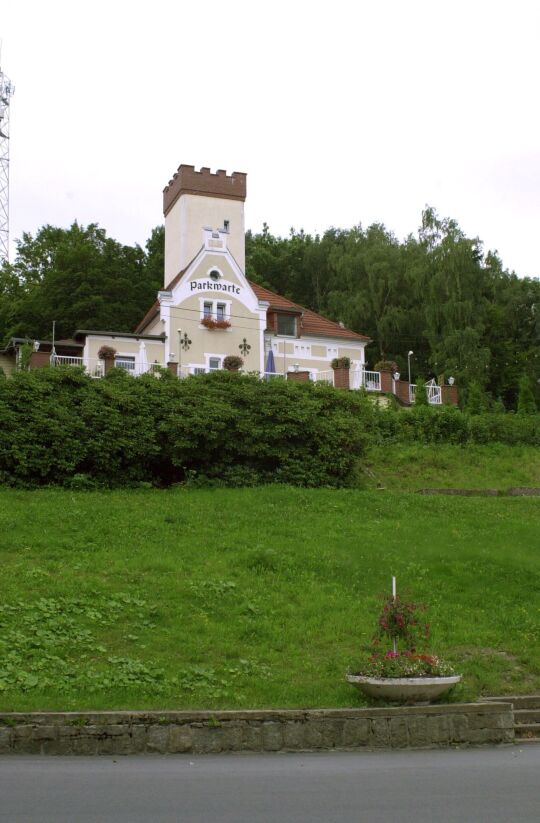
column 179, row 352
column 409, row 355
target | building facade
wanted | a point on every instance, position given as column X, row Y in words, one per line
column 208, row 310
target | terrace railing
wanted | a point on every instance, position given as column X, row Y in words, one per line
column 63, row 360
column 95, row 367
column 358, row 378
column 434, row 394
column 323, row 377
column 371, row 380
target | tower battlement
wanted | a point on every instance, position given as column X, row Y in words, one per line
column 219, row 184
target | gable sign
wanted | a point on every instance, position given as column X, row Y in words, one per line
column 222, row 286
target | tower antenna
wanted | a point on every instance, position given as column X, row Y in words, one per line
column 6, row 92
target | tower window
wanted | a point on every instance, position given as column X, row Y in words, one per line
column 214, row 274
column 226, row 225
column 220, row 311
column 207, row 311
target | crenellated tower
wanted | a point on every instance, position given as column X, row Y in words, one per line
column 195, row 202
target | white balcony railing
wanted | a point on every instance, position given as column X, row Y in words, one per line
column 62, row 360
column 323, row 377
column 95, row 367
column 434, row 394
column 372, row 380
column 358, row 378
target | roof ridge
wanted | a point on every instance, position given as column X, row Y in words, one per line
column 260, row 286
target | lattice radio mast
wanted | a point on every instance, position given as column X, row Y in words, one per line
column 6, row 92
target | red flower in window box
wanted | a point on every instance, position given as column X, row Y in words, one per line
column 211, row 323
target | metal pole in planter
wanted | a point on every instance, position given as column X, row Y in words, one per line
column 394, row 596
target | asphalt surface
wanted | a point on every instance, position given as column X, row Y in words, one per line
column 496, row 785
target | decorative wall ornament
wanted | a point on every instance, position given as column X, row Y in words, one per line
column 185, row 342
column 244, row 347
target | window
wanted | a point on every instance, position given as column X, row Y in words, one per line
column 214, row 274
column 226, row 225
column 125, row 362
column 214, row 363
column 220, row 311
column 286, row 324
column 207, row 311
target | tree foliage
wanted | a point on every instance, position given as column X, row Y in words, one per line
column 79, row 277
column 435, row 293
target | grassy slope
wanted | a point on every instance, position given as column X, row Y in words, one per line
column 415, row 466
column 252, row 598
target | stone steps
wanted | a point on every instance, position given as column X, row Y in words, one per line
column 526, row 715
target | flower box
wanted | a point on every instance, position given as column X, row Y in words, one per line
column 211, row 323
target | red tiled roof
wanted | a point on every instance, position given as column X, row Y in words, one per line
column 148, row 317
column 312, row 323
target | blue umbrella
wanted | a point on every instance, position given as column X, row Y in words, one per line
column 270, row 365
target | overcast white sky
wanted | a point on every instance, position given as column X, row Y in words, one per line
column 340, row 112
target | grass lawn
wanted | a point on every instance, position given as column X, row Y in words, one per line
column 408, row 467
column 253, row 597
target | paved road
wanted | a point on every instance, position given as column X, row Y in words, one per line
column 499, row 785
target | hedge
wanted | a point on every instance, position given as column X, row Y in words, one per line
column 447, row 424
column 60, row 426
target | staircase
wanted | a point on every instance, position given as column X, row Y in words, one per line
column 526, row 715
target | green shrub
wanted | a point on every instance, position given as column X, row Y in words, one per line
column 60, row 426
column 447, row 424
column 476, row 401
column 526, row 401
column 420, row 394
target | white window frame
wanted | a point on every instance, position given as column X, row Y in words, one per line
column 203, row 301
column 128, row 358
column 209, row 357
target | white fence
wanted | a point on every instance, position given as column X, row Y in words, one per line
column 358, row 378
column 322, row 377
column 434, row 393
column 95, row 367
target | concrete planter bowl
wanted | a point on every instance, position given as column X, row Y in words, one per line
column 403, row 689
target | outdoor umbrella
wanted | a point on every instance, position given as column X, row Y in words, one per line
column 270, row 365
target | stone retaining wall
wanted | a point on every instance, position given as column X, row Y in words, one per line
column 256, row 731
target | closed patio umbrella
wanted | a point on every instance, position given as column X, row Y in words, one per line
column 270, row 365
column 143, row 358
